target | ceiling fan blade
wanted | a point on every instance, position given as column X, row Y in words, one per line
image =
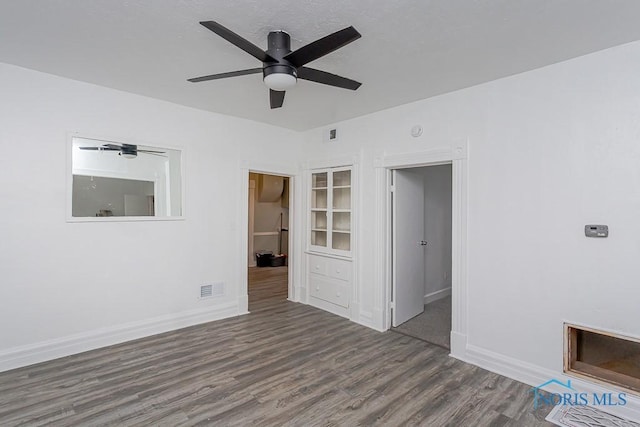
column 322, row 46
column 276, row 98
column 240, row 42
column 325, row 78
column 151, row 151
column 103, row 148
column 114, row 146
column 225, row 75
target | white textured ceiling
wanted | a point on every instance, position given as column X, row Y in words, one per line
column 409, row 50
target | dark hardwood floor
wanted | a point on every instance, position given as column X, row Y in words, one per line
column 284, row 364
column 267, row 287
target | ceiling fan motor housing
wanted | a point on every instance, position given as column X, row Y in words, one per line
column 279, row 45
column 129, row 150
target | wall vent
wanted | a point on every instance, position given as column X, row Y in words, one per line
column 206, row 291
column 602, row 356
column 212, row 290
column 331, row 135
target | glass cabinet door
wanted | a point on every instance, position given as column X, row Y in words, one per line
column 341, row 210
column 319, row 205
column 330, row 216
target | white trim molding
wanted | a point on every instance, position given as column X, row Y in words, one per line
column 332, row 162
column 437, row 295
column 73, row 344
column 534, row 376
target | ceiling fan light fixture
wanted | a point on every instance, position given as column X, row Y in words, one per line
column 280, row 77
column 280, row 81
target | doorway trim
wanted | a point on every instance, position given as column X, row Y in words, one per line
column 384, row 164
column 251, row 213
column 292, row 173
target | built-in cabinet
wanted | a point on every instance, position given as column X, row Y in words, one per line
column 329, row 263
column 331, row 211
column 330, row 279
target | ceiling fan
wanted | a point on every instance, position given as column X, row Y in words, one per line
column 280, row 66
column 128, row 151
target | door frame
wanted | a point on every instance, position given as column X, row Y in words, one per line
column 384, row 164
column 292, row 173
column 251, row 213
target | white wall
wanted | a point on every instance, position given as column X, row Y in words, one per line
column 549, row 151
column 437, row 231
column 66, row 287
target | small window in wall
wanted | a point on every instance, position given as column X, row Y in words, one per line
column 111, row 180
column 603, row 356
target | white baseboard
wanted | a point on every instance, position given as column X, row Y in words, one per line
column 458, row 343
column 435, row 296
column 243, row 304
column 18, row 357
column 534, row 375
column 370, row 319
column 301, row 294
column 330, row 307
column 354, row 312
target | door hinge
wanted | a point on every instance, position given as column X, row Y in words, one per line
column 392, row 188
column 392, row 305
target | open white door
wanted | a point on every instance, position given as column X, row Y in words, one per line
column 408, row 245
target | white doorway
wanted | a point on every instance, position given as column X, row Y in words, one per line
column 421, row 248
column 267, row 239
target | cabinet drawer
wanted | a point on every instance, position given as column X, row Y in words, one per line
column 318, row 265
column 339, row 269
column 331, row 290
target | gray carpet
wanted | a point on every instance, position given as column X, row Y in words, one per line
column 433, row 325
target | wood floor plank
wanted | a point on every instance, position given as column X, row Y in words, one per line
column 285, row 364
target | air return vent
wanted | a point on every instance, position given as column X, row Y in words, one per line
column 602, row 356
column 330, row 135
column 206, row 291
column 212, row 290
